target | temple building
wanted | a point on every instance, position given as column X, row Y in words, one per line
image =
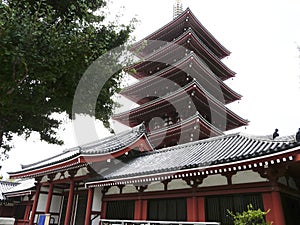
column 177, row 161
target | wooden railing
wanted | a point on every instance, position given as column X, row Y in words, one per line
column 152, row 222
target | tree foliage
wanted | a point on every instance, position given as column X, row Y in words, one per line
column 249, row 217
column 45, row 47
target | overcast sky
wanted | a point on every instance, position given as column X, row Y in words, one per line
column 262, row 36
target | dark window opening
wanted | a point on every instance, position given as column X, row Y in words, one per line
column 167, row 209
column 121, row 210
column 291, row 209
column 81, row 209
column 20, row 211
column 63, row 210
column 216, row 206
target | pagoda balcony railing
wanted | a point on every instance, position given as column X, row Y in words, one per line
column 152, row 222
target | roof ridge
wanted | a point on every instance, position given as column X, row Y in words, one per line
column 210, row 139
column 286, row 138
column 138, row 128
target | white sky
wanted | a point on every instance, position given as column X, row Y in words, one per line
column 261, row 34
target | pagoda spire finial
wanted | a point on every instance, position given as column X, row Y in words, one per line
column 177, row 8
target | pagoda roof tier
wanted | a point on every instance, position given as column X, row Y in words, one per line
column 186, row 101
column 217, row 155
column 194, row 128
column 181, row 73
column 173, row 51
column 101, row 150
column 175, row 28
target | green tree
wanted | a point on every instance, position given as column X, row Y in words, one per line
column 45, row 47
column 249, row 217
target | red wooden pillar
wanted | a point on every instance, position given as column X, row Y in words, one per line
column 192, row 209
column 272, row 201
column 140, row 210
column 201, row 209
column 89, row 206
column 103, row 210
column 137, row 209
column 70, row 203
column 27, row 212
column 49, row 198
column 35, row 203
column 144, row 210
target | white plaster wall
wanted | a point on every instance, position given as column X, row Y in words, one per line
column 42, row 202
column 82, row 172
column 113, row 190
column 129, row 189
column 177, row 184
column 55, row 206
column 25, row 198
column 44, row 189
column 247, row 176
column 66, row 174
column 292, row 183
column 96, row 221
column 97, row 199
column 156, row 186
column 282, row 180
column 55, row 203
column 214, row 180
column 44, row 179
column 57, row 176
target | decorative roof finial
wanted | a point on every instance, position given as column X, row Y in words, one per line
column 177, row 8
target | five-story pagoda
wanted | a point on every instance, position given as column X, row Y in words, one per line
column 181, row 92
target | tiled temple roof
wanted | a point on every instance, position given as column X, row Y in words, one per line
column 4, row 187
column 22, row 187
column 184, row 21
column 214, row 151
column 198, row 70
column 103, row 146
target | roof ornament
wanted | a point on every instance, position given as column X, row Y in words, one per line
column 275, row 134
column 177, row 8
column 298, row 135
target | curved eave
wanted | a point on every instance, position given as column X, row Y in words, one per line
column 210, row 40
column 40, row 171
column 142, row 144
column 137, row 90
column 123, row 117
column 219, row 49
column 178, row 44
column 83, row 159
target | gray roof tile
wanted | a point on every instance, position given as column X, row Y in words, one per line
column 103, row 146
column 212, row 151
column 4, row 187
